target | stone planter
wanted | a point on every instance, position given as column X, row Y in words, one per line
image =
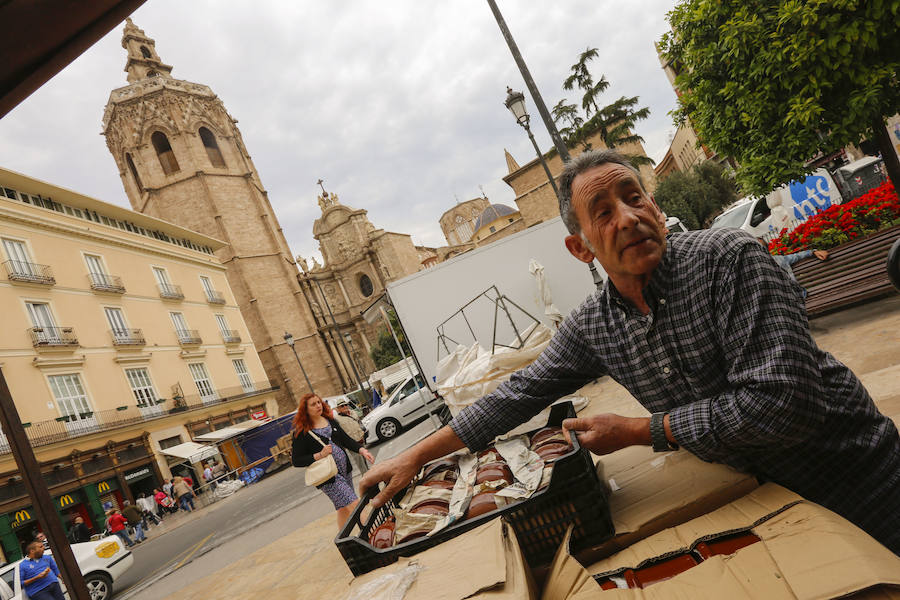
column 854, row 272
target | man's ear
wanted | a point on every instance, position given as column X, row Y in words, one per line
column 577, row 248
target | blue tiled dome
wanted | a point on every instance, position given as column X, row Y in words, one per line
column 492, row 213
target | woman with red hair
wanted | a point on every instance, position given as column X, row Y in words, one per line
column 315, row 425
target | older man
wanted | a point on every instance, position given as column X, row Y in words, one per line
column 707, row 332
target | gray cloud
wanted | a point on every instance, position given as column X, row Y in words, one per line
column 397, row 105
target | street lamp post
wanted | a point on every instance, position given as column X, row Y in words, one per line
column 515, row 102
column 290, row 342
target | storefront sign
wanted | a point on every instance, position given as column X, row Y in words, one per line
column 138, row 474
column 259, row 415
column 102, row 487
column 66, row 500
column 22, row 517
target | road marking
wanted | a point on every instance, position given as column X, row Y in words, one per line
column 186, row 553
column 192, row 551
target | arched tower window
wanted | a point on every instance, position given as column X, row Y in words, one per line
column 212, row 148
column 164, row 153
column 152, row 74
column 134, row 173
column 145, row 52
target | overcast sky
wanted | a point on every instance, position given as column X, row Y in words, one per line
column 396, row 104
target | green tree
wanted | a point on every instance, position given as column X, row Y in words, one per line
column 384, row 352
column 773, row 82
column 614, row 122
column 697, row 195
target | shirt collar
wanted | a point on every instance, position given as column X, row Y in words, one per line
column 657, row 288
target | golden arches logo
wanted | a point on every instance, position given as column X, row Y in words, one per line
column 103, row 487
column 66, row 500
column 22, row 516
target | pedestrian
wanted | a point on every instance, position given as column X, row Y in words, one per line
column 164, row 501
column 39, row 574
column 785, row 261
column 79, row 532
column 316, row 435
column 148, row 510
column 352, row 427
column 135, row 519
column 167, row 488
column 43, row 540
column 208, row 476
column 218, row 470
column 707, row 332
column 117, row 525
column 183, row 493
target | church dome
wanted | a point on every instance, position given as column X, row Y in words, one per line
column 492, row 213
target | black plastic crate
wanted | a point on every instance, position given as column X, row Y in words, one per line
column 575, row 494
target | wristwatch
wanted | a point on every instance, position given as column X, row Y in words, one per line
column 658, row 440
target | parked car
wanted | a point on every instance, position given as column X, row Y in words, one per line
column 102, row 562
column 406, row 403
column 674, row 225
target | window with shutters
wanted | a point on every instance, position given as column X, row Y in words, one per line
column 243, row 376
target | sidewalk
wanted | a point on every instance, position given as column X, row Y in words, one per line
column 306, row 563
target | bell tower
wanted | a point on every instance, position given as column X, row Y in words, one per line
column 181, row 158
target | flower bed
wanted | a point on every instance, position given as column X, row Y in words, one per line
column 877, row 209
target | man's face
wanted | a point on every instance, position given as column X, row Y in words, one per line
column 36, row 550
column 619, row 220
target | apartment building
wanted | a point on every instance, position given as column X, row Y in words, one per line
column 120, row 340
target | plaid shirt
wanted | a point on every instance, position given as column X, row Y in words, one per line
column 726, row 351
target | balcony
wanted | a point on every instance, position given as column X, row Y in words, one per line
column 214, row 297
column 170, row 291
column 44, row 433
column 188, row 337
column 102, row 282
column 42, row 337
column 26, row 272
column 230, row 336
column 127, row 337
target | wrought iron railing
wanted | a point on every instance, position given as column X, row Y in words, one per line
column 53, row 336
column 170, row 291
column 106, row 283
column 188, row 337
column 43, row 433
column 127, row 337
column 19, row 270
column 230, row 336
column 214, row 297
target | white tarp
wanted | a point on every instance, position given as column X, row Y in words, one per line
column 191, row 452
column 228, row 432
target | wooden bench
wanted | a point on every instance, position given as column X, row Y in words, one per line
column 853, row 273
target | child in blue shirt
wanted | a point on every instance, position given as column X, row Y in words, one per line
column 40, row 575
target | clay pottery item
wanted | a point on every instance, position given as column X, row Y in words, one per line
column 438, row 466
column 439, row 483
column 488, row 456
column 431, row 506
column 383, row 536
column 413, row 535
column 553, row 451
column 542, row 434
column 480, row 504
column 493, row 472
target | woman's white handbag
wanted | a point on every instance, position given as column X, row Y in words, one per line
column 321, row 470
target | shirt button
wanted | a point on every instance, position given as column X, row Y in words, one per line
column 662, row 300
column 666, row 370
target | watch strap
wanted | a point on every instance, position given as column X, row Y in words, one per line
column 658, row 440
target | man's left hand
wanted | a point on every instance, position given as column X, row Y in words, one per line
column 602, row 434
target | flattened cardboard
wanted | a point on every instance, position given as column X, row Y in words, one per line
column 805, row 551
column 654, row 491
column 485, row 563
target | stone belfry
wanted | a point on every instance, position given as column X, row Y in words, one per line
column 181, row 158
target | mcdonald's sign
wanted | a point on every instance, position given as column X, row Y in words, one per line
column 102, row 487
column 66, row 500
column 22, row 517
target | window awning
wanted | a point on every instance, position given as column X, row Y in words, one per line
column 228, row 432
column 191, row 452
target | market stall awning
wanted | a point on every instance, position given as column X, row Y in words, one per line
column 228, row 432
column 191, row 452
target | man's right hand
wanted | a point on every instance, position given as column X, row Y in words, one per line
column 397, row 472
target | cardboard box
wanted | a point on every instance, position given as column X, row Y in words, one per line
column 805, row 551
column 652, row 491
column 484, row 563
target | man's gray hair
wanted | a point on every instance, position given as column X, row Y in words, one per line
column 579, row 165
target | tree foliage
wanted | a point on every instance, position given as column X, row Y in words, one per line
column 772, row 82
column 384, row 351
column 614, row 122
column 697, row 195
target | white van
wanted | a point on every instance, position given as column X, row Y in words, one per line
column 798, row 200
